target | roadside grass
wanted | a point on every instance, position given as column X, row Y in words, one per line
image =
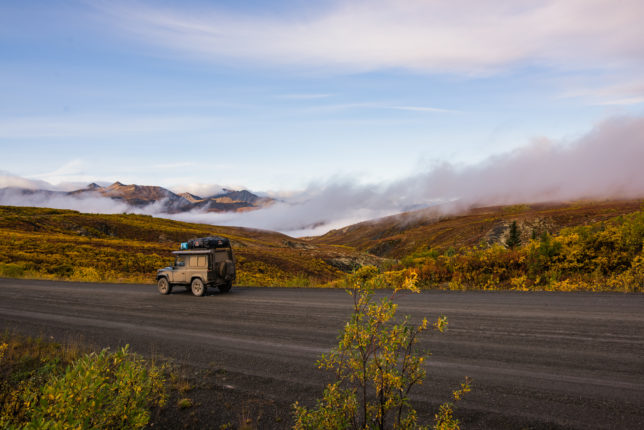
column 46, row 384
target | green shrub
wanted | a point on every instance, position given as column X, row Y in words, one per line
column 100, row 391
column 12, row 270
column 184, row 403
column 604, row 256
column 299, row 280
column 376, row 364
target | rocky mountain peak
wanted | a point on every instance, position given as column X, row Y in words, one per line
column 191, row 197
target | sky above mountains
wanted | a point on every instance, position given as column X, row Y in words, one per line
column 295, row 95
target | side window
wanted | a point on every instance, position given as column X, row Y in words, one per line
column 180, row 261
column 197, row 261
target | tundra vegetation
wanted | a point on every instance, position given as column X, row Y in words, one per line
column 48, row 385
column 376, row 364
column 605, row 255
column 43, row 243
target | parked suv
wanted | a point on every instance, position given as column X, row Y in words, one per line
column 201, row 263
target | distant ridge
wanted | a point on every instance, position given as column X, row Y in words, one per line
column 140, row 196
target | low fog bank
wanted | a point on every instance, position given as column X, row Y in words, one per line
column 606, row 163
column 60, row 200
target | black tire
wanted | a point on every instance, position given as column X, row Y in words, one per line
column 198, row 288
column 224, row 288
column 164, row 286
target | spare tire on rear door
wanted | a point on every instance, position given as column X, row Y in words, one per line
column 226, row 270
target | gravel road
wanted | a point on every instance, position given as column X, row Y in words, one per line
column 537, row 360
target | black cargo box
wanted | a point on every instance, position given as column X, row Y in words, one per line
column 206, row 243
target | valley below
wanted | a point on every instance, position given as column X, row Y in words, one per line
column 538, row 360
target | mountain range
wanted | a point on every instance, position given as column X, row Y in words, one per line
column 140, row 196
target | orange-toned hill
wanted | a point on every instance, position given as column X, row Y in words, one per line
column 399, row 235
column 65, row 244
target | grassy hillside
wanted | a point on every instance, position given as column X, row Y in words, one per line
column 65, row 244
column 575, row 246
column 401, row 235
column 602, row 256
column 567, row 247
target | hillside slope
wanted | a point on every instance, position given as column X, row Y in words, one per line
column 65, row 244
column 400, row 235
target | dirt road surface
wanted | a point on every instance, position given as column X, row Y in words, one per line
column 537, row 360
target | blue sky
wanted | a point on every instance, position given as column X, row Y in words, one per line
column 276, row 96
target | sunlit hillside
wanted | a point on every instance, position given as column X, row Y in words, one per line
column 573, row 246
column 400, row 235
column 65, row 244
column 566, row 247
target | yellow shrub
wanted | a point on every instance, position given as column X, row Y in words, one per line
column 519, row 283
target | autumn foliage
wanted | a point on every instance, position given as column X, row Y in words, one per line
column 376, row 364
column 67, row 245
column 604, row 256
column 46, row 385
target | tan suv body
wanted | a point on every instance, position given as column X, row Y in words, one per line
column 198, row 269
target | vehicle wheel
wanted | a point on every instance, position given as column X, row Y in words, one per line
column 197, row 287
column 164, row 286
column 224, row 288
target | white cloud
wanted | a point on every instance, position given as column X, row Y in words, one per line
column 606, row 163
column 603, row 164
column 87, row 204
column 622, row 102
column 8, row 180
column 459, row 36
column 624, row 91
column 197, row 189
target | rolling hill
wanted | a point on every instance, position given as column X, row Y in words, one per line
column 400, row 235
column 562, row 246
column 65, row 244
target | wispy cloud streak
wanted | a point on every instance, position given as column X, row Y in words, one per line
column 459, row 36
column 93, row 125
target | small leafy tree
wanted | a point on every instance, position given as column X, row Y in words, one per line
column 514, row 239
column 376, row 363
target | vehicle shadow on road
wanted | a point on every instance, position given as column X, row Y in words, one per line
column 211, row 291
